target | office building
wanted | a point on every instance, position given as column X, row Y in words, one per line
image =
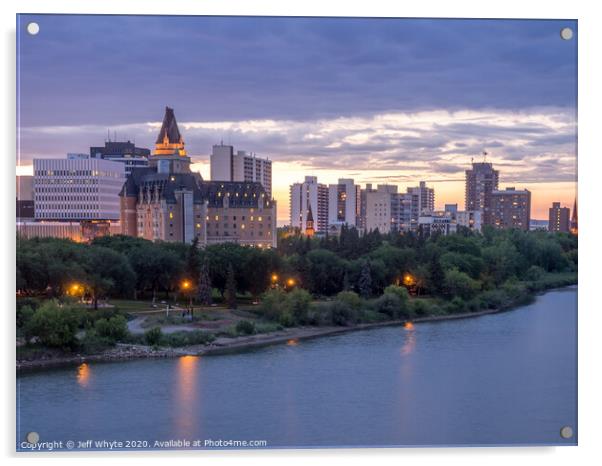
column 25, row 199
column 125, row 152
column 481, row 181
column 226, row 165
column 423, row 198
column 77, row 189
column 168, row 202
column 511, row 208
column 344, row 200
column 559, row 218
column 308, row 194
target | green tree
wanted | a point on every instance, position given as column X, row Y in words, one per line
column 231, row 288
column 364, row 283
column 204, row 290
column 458, row 283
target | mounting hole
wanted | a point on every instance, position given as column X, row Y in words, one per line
column 33, row 29
column 566, row 33
column 566, row 432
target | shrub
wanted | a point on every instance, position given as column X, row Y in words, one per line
column 273, row 304
column 286, row 319
column 341, row 313
column 54, row 326
column 114, row 328
column 153, row 336
column 534, row 273
column 351, row 299
column 92, row 342
column 388, row 304
column 245, row 327
column 420, row 307
column 457, row 305
column 24, row 314
column 297, row 304
column 187, row 338
column 402, row 293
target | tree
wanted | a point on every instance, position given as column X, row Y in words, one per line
column 204, row 290
column 54, row 326
column 436, row 275
column 458, row 283
column 230, row 288
column 364, row 284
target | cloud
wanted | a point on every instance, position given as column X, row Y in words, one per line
column 537, row 144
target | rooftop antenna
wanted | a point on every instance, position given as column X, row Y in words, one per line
column 484, row 156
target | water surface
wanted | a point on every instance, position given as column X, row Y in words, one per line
column 502, row 379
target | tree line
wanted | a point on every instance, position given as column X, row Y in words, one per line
column 457, row 265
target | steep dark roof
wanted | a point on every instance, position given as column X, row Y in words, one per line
column 169, row 128
column 241, row 194
column 310, row 216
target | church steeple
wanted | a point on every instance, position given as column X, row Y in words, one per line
column 574, row 225
column 309, row 223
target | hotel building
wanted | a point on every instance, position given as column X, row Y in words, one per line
column 168, row 202
column 481, row 181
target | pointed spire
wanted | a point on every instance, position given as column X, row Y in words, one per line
column 169, row 129
column 310, row 216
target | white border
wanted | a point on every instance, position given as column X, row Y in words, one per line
column 590, row 80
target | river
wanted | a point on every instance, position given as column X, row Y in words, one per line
column 500, row 379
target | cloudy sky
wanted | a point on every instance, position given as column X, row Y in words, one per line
column 380, row 100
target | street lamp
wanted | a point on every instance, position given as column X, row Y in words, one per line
column 187, row 286
column 290, row 282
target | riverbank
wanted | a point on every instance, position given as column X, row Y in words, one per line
column 224, row 345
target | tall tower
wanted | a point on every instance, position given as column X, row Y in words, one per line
column 481, row 181
column 309, row 223
column 170, row 155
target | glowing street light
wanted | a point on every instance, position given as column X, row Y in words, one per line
column 274, row 278
column 290, row 282
column 186, row 285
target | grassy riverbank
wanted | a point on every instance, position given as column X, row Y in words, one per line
column 103, row 337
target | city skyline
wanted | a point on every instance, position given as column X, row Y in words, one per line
column 393, row 102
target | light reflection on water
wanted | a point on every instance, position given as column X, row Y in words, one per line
column 506, row 378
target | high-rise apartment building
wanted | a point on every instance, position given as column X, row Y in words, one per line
column 481, row 181
column 306, row 194
column 511, row 208
column 25, row 202
column 382, row 209
column 226, row 165
column 168, row 202
column 344, row 199
column 559, row 218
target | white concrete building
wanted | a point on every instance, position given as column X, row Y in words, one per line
column 77, row 189
column 344, row 200
column 382, row 208
column 436, row 222
column 302, row 195
column 240, row 166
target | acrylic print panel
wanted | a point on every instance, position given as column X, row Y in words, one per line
column 247, row 232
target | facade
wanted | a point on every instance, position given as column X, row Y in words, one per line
column 538, row 225
column 436, row 223
column 167, row 202
column 306, row 195
column 77, row 189
column 481, row 181
column 125, row 152
column 382, row 209
column 471, row 219
column 559, row 218
column 75, row 231
column 424, row 198
column 511, row 208
column 226, row 165
column 25, row 200
column 344, row 199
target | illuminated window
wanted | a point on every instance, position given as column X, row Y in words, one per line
column 216, row 217
column 171, row 215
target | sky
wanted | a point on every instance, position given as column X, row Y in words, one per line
column 379, row 100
